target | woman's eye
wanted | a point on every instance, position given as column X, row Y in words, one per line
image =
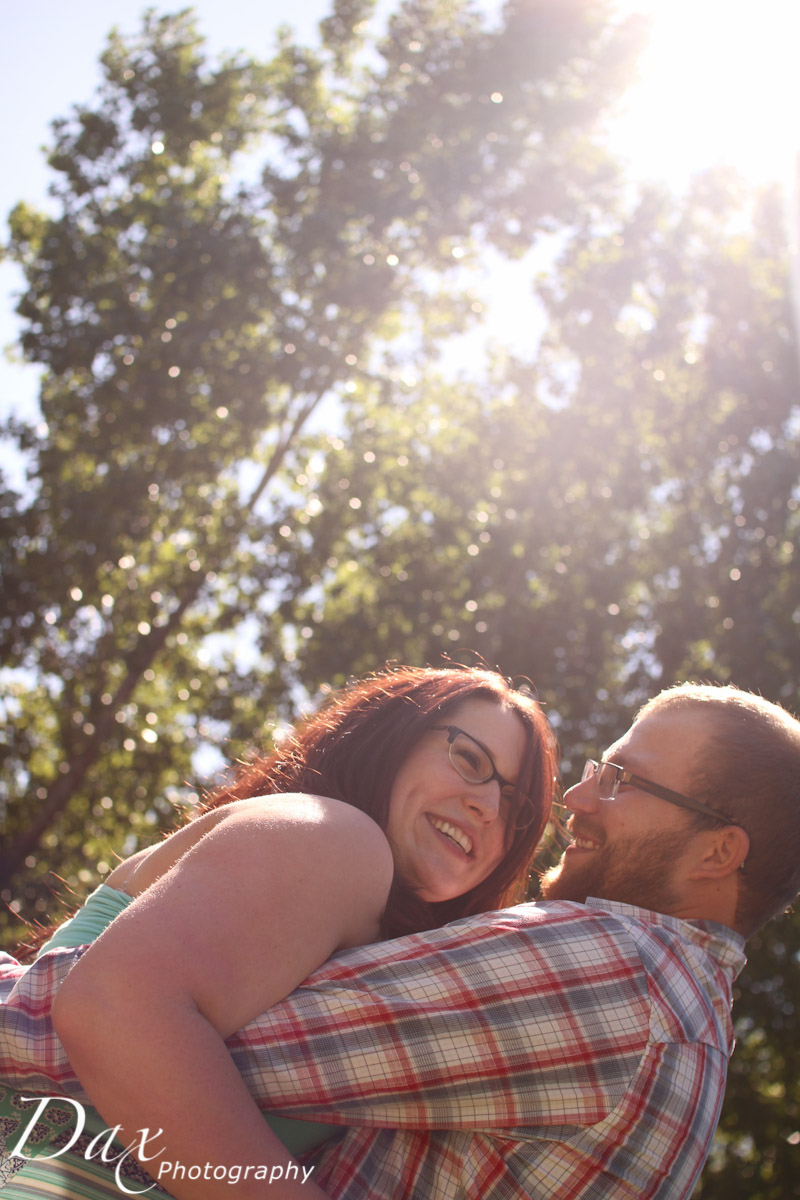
column 470, row 759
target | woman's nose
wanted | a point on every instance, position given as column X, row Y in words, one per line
column 484, row 799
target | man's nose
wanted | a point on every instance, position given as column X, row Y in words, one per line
column 582, row 797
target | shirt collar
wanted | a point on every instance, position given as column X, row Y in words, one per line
column 724, row 943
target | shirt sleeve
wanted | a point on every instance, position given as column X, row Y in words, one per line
column 31, row 1056
column 497, row 1021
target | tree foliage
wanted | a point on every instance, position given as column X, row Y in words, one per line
column 231, row 241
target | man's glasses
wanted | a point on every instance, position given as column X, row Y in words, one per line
column 474, row 763
column 609, row 776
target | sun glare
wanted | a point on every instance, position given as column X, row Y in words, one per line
column 718, row 83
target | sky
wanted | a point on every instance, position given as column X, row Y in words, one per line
column 718, row 84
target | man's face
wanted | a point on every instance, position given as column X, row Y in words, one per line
column 631, row 848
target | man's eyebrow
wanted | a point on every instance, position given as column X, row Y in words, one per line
column 619, row 760
column 631, row 767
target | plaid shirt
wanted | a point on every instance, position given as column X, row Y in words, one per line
column 551, row 1050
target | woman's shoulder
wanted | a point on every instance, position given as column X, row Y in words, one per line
column 302, row 808
column 290, row 822
column 310, row 819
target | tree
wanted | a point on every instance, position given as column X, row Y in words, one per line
column 191, row 325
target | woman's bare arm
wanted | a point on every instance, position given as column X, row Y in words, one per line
column 251, row 909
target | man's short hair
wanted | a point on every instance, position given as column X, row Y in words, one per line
column 750, row 771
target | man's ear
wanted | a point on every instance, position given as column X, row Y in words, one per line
column 720, row 852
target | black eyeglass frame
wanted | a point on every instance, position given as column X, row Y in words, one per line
column 454, row 731
column 623, row 775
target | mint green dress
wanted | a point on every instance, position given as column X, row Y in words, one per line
column 72, row 1174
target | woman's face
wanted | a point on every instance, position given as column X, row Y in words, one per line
column 447, row 835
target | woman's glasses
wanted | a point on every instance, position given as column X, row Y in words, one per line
column 474, row 763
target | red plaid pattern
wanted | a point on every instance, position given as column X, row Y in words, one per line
column 553, row 1050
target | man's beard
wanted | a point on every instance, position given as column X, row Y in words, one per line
column 634, row 871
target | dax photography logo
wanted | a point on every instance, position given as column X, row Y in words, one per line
column 107, row 1149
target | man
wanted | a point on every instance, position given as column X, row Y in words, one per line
column 572, row 1048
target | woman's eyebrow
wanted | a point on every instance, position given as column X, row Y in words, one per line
column 482, row 745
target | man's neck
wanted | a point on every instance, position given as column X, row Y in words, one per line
column 709, row 902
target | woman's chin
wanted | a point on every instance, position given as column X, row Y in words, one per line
column 440, row 892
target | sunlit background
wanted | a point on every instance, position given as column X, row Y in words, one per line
column 719, row 83
column 612, row 508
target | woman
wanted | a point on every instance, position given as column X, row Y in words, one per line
column 454, row 766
